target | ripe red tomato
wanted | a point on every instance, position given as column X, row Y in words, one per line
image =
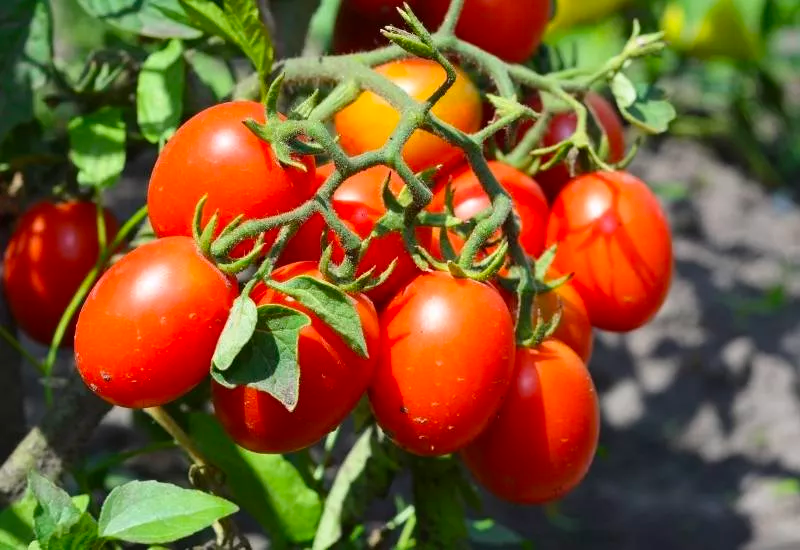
column 359, row 23
column 359, row 203
column 148, row 329
column 332, row 380
column 614, row 235
column 446, row 360
column 50, row 253
column 213, row 153
column 563, row 125
column 542, row 442
column 305, row 245
column 367, row 123
column 509, row 29
column 469, row 199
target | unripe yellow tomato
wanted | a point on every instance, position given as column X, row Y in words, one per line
column 721, row 33
column 571, row 13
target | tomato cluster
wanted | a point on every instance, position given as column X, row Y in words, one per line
column 441, row 364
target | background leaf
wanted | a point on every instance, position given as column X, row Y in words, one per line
column 144, row 17
column 268, row 486
column 159, row 92
column 150, row 512
column 97, row 147
column 210, row 18
column 487, row 532
column 252, row 36
column 439, row 503
column 55, row 513
column 16, row 521
column 213, row 72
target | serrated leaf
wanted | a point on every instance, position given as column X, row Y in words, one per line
column 252, row 36
column 151, row 512
column 651, row 112
column 55, row 513
column 210, row 18
column 268, row 486
column 269, row 360
column 237, row 332
column 334, row 307
column 366, row 473
column 97, row 146
column 213, row 72
column 159, row 92
column 623, row 90
column 143, row 17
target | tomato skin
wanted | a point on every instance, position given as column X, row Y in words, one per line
column 51, row 251
column 367, row 123
column 509, row 29
column 148, row 329
column 332, row 380
column 614, row 236
column 359, row 203
column 213, row 153
column 469, row 199
column 446, row 360
column 359, row 22
column 543, row 439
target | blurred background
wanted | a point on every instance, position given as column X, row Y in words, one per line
column 700, row 446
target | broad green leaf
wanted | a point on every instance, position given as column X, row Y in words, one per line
column 26, row 33
column 334, row 307
column 159, row 92
column 623, row 90
column 213, row 72
column 16, row 521
column 150, row 512
column 269, row 360
column 97, row 147
column 55, row 513
column 144, row 17
column 210, row 18
column 268, row 486
column 439, row 503
column 237, row 332
column 81, row 535
column 488, row 532
column 651, row 112
column 252, row 36
column 366, row 473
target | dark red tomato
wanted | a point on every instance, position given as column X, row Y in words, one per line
column 446, row 361
column 368, row 122
column 563, row 126
column 359, row 203
column 50, row 253
column 148, row 329
column 305, row 245
column 359, row 23
column 543, row 440
column 213, row 153
column 332, row 380
column 614, row 236
column 470, row 199
column 509, row 29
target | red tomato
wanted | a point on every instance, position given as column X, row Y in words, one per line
column 509, row 29
column 470, row 199
column 543, row 440
column 562, row 127
column 367, row 123
column 614, row 235
column 332, row 380
column 213, row 153
column 305, row 245
column 50, row 253
column 148, row 329
column 446, row 360
column 359, row 203
column 359, row 23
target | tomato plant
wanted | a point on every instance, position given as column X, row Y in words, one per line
column 52, row 250
column 215, row 154
column 367, row 123
column 440, row 333
column 612, row 232
column 332, row 375
column 146, row 334
column 543, row 440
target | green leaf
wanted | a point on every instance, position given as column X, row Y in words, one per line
column 239, row 328
column 269, row 360
column 210, row 18
column 487, row 532
column 97, row 146
column 27, row 52
column 651, row 112
column 81, row 535
column 213, row 72
column 55, row 513
column 329, row 303
column 143, row 17
column 159, row 92
column 366, row 473
column 439, row 502
column 251, row 34
column 268, row 486
column 16, row 521
column 150, row 512
column 623, row 90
